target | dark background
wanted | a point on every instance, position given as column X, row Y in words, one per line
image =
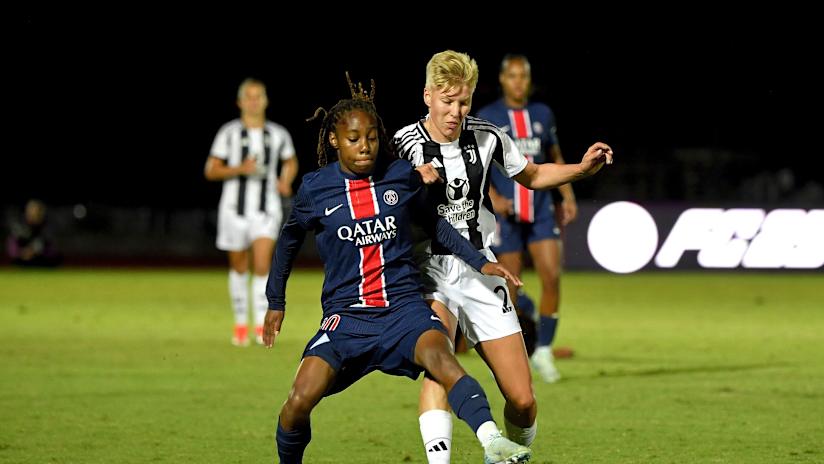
column 123, row 113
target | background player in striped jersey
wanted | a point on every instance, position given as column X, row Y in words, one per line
column 525, row 217
column 361, row 209
column 459, row 150
column 245, row 156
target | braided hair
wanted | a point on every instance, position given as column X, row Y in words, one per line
column 361, row 100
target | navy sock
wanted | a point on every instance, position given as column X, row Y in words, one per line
column 526, row 305
column 469, row 402
column 291, row 444
column 546, row 332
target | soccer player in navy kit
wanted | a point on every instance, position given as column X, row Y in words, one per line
column 458, row 150
column 525, row 217
column 374, row 317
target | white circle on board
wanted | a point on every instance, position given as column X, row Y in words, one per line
column 622, row 237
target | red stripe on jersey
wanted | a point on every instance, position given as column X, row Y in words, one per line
column 362, row 200
column 524, row 204
column 519, row 124
column 373, row 282
column 363, row 203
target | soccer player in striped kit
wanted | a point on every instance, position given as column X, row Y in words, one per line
column 361, row 209
column 527, row 218
column 245, row 156
column 454, row 152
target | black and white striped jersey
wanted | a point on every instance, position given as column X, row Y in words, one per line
column 269, row 144
column 463, row 199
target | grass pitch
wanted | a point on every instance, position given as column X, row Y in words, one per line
column 135, row 366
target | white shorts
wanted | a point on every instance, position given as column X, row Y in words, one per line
column 236, row 233
column 481, row 303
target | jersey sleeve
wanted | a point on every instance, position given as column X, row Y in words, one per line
column 513, row 160
column 288, row 150
column 220, row 146
column 408, row 149
column 291, row 239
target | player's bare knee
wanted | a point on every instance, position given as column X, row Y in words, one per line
column 298, row 403
column 522, row 402
column 550, row 279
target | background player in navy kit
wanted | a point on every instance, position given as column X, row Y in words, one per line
column 459, row 150
column 525, row 217
column 360, row 209
column 245, row 156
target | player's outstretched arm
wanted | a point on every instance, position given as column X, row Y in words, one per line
column 551, row 175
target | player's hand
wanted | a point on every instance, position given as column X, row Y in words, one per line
column 248, row 167
column 429, row 173
column 596, row 156
column 271, row 326
column 498, row 270
column 567, row 212
column 501, row 204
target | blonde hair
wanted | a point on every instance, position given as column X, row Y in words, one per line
column 246, row 83
column 449, row 69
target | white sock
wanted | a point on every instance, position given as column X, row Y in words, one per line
column 239, row 293
column 436, row 431
column 487, row 432
column 520, row 435
column 259, row 301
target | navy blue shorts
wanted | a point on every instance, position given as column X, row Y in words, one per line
column 357, row 344
column 513, row 236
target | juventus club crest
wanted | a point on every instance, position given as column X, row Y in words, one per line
column 457, row 189
column 472, row 151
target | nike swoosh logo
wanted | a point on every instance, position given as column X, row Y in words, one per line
column 435, row 318
column 323, row 339
column 329, row 211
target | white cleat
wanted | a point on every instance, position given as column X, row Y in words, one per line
column 543, row 362
column 503, row 451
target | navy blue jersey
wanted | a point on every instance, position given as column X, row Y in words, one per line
column 533, row 130
column 362, row 226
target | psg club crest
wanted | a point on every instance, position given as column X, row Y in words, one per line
column 457, row 189
column 390, row 197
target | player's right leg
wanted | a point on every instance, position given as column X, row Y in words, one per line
column 313, row 379
column 434, row 416
column 466, row 397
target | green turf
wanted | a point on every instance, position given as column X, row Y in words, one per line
column 136, row 367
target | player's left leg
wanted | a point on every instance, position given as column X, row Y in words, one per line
column 466, row 397
column 313, row 379
column 546, row 257
column 261, row 260
column 507, row 359
column 239, row 294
